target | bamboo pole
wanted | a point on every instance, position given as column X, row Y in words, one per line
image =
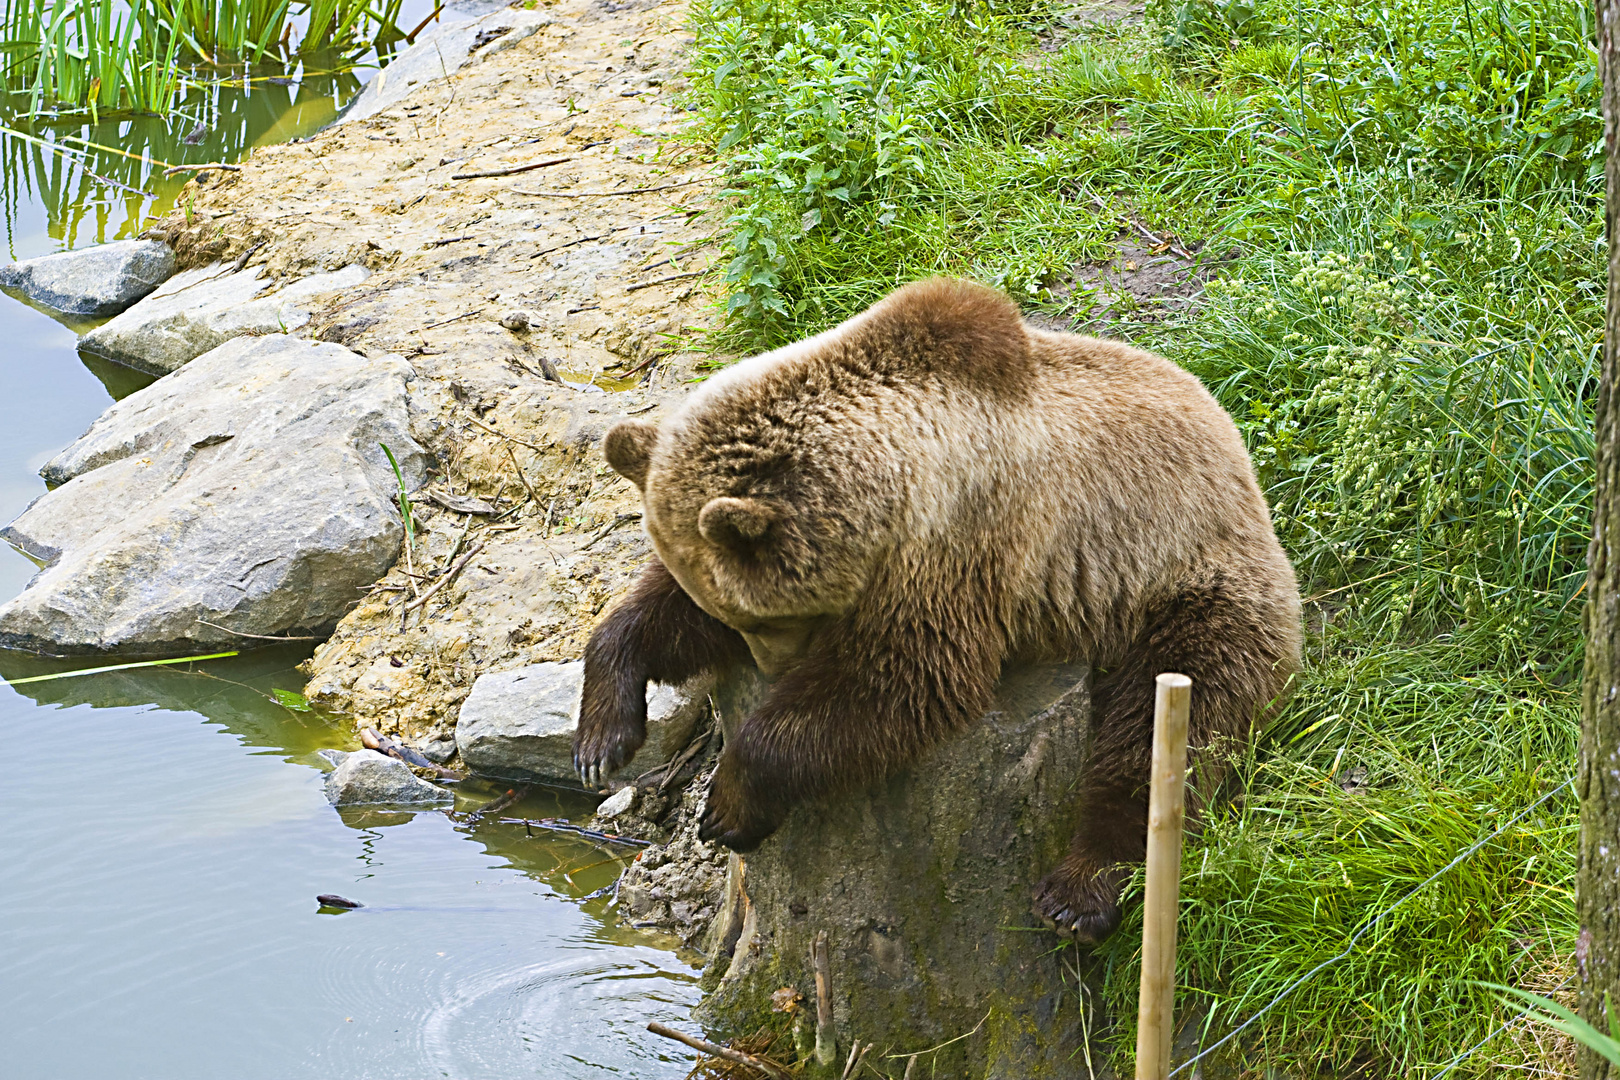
column 1166, row 810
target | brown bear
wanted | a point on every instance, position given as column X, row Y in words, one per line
column 883, row 516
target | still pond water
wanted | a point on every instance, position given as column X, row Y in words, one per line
column 166, row 832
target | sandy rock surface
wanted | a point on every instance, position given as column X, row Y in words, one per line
column 602, row 252
column 92, row 282
column 247, row 492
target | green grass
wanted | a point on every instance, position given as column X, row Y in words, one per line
column 1407, row 204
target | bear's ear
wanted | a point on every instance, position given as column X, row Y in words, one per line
column 628, row 448
column 738, row 524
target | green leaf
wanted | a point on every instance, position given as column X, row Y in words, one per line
column 290, row 700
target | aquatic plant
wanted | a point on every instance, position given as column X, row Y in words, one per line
column 98, row 56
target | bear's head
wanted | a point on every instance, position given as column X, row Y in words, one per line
column 757, row 532
column 779, row 489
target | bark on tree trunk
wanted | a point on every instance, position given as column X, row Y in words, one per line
column 1597, row 953
column 922, row 888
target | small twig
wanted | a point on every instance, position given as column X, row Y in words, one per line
column 554, row 825
column 503, row 435
column 610, row 526
column 500, row 802
column 258, row 637
column 242, row 259
column 826, row 1037
column 605, row 194
column 457, row 318
column 775, row 1072
column 442, row 243
column 508, row 172
column 455, row 568
column 1160, row 241
column 524, row 480
column 856, row 1053
column 172, row 169
column 666, row 280
column 585, row 240
column 372, row 739
column 639, row 368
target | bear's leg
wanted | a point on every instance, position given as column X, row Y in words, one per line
column 1239, row 649
column 875, row 690
column 655, row 633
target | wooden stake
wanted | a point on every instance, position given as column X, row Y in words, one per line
column 1166, row 810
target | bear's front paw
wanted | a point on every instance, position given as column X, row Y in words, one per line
column 1081, row 901
column 731, row 816
column 605, row 742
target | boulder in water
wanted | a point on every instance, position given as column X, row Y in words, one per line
column 92, row 282
column 246, row 492
column 367, row 778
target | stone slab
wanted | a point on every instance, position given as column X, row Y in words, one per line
column 201, row 309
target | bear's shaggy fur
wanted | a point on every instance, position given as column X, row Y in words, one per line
column 884, row 515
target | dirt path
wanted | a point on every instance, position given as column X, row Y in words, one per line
column 594, row 283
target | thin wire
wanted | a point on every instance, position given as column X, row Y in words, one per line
column 1460, row 1058
column 1365, row 927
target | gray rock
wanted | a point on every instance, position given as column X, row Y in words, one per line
column 246, row 490
column 520, row 724
column 439, row 750
column 93, row 282
column 618, row 803
column 201, row 309
column 366, row 778
column 465, row 32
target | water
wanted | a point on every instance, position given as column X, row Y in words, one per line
column 166, row 831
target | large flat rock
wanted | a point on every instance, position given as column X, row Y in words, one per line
column 94, row 282
column 246, row 490
column 201, row 309
column 520, row 724
column 465, row 31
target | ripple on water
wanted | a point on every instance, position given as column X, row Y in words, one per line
column 580, row 1014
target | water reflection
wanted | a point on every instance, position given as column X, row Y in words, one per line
column 168, row 835
column 100, row 181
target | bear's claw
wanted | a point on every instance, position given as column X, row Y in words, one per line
column 601, row 749
column 1080, row 902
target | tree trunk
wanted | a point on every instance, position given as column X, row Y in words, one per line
column 921, row 887
column 1597, row 953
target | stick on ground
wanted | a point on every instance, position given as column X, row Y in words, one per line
column 775, row 1072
